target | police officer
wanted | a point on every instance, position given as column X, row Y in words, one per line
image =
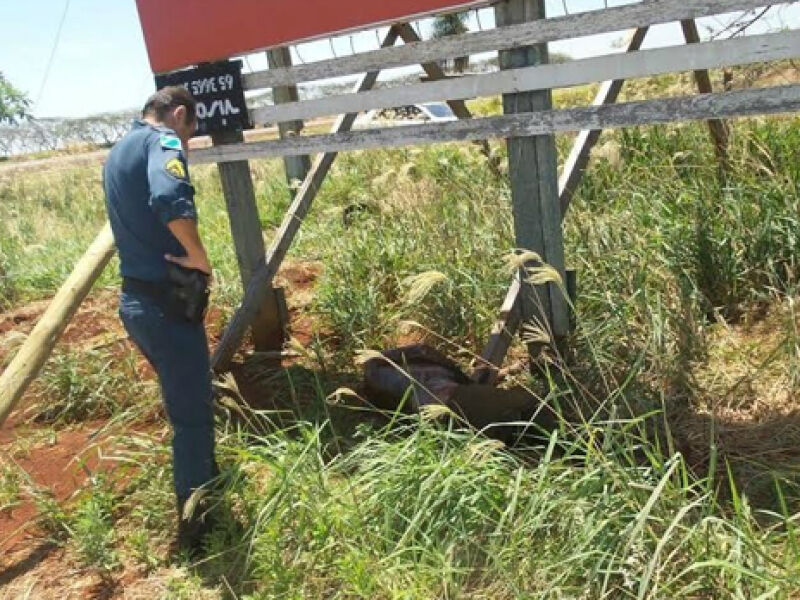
column 150, row 203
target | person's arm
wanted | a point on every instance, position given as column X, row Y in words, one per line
column 185, row 230
column 172, row 200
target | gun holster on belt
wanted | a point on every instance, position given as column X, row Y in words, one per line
column 187, row 295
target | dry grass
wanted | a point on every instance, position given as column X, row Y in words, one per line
column 746, row 406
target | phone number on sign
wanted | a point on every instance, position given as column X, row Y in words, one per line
column 210, row 85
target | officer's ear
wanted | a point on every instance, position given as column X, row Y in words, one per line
column 181, row 114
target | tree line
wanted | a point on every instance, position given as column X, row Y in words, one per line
column 20, row 133
column 38, row 135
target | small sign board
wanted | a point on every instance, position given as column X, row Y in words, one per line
column 217, row 87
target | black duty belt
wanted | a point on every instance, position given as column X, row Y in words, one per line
column 184, row 297
column 157, row 290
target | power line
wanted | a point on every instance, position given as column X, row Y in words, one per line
column 52, row 53
column 742, row 25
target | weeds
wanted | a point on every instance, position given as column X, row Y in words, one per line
column 80, row 385
column 139, row 543
column 9, row 486
column 92, row 527
column 434, row 512
column 52, row 518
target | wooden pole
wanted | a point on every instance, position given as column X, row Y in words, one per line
column 269, row 326
column 533, row 170
column 509, row 319
column 297, row 167
column 578, row 158
column 268, row 267
column 720, row 133
column 500, row 338
column 30, row 358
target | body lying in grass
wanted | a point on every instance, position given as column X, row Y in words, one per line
column 412, row 377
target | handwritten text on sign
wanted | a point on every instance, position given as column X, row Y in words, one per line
column 218, row 90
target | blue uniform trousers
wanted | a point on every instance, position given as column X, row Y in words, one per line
column 178, row 351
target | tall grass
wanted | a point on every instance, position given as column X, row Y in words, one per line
column 441, row 514
column 425, row 511
column 46, row 224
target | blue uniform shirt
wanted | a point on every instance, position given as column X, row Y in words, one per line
column 146, row 181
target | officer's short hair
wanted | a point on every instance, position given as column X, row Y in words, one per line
column 168, row 98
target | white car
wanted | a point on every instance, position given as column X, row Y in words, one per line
column 412, row 114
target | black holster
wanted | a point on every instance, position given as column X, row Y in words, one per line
column 187, row 295
column 183, row 297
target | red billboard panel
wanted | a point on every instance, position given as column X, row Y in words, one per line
column 179, row 33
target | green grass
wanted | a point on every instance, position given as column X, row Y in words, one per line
column 92, row 527
column 84, row 384
column 326, row 503
column 441, row 514
column 48, row 221
column 424, row 511
column 10, row 486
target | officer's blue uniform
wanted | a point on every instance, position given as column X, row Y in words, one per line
column 147, row 185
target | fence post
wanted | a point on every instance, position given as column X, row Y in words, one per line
column 297, row 167
column 269, row 327
column 533, row 169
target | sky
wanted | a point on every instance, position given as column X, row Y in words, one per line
column 100, row 62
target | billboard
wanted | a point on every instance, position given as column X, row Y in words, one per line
column 182, row 33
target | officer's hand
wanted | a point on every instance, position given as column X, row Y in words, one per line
column 199, row 262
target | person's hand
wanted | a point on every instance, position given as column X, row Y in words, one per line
column 198, row 261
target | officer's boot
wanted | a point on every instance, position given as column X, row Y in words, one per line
column 194, row 524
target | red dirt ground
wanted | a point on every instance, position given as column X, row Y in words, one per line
column 63, row 460
column 61, row 466
column 298, row 280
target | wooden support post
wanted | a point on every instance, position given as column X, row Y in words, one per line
column 578, row 158
column 268, row 267
column 720, row 133
column 435, row 72
column 34, row 352
column 269, row 326
column 533, row 171
column 501, row 336
column 509, row 319
column 297, row 167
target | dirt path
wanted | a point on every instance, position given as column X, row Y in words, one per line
column 56, row 461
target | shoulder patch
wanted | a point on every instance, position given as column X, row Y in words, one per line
column 170, row 142
column 175, row 167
